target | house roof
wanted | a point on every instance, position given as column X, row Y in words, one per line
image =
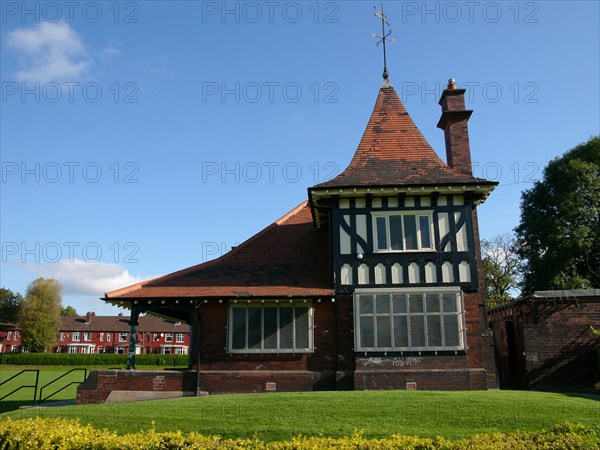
column 121, row 324
column 289, row 258
column 393, row 152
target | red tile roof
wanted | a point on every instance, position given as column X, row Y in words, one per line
column 288, row 258
column 393, row 152
column 121, row 324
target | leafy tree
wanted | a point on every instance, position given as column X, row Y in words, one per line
column 39, row 314
column 9, row 305
column 500, row 269
column 68, row 311
column 559, row 232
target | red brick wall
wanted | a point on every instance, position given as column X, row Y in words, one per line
column 100, row 383
column 553, row 347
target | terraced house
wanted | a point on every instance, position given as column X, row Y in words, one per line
column 374, row 282
column 108, row 334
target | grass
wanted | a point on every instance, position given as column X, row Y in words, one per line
column 279, row 416
column 24, row 397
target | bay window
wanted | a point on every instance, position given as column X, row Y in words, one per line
column 409, row 319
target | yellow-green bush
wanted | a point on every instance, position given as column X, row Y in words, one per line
column 64, row 434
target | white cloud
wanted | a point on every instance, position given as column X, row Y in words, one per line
column 86, row 278
column 49, row 52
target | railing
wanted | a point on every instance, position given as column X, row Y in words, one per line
column 43, row 399
column 34, row 386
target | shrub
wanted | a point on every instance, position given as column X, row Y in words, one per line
column 92, row 359
column 64, row 434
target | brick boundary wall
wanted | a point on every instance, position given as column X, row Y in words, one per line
column 545, row 344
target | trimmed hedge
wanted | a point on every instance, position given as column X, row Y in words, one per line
column 91, row 359
column 64, row 434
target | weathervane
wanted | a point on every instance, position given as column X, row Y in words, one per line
column 383, row 38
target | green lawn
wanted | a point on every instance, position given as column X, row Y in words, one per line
column 278, row 416
column 24, row 396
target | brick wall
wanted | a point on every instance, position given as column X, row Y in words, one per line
column 100, row 383
column 544, row 344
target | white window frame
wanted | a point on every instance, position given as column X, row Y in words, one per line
column 101, row 337
column 108, row 337
column 168, row 337
column 180, row 337
column 403, row 214
column 459, row 313
column 76, row 336
column 123, row 336
column 87, row 336
column 8, row 335
column 278, row 305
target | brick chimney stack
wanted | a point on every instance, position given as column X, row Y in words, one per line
column 88, row 316
column 456, row 133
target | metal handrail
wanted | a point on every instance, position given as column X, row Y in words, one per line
column 43, row 399
column 35, row 386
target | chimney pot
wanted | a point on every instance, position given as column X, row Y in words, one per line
column 451, row 83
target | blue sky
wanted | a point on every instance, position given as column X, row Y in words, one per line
column 142, row 137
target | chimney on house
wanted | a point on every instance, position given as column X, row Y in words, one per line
column 456, row 133
column 88, row 316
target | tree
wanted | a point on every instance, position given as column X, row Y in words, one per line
column 39, row 314
column 9, row 305
column 68, row 311
column 559, row 232
column 500, row 269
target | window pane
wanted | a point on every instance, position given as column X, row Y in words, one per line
column 382, row 304
column 451, row 331
column 417, row 331
column 381, row 234
column 400, row 331
column 367, row 332
column 384, row 333
column 286, row 325
column 366, row 304
column 449, row 301
column 410, row 232
column 416, row 303
column 238, row 339
column 399, row 304
column 434, row 331
column 254, row 328
column 301, row 327
column 433, row 303
column 425, row 232
column 396, row 232
column 270, row 317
